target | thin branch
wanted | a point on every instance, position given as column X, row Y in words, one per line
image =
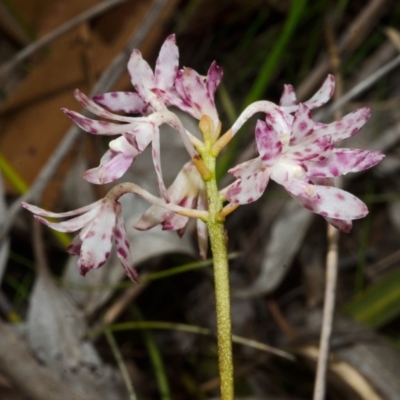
column 360, row 88
column 27, row 51
column 328, row 313
column 353, row 37
column 105, row 83
column 332, row 256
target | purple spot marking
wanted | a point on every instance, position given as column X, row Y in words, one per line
column 122, row 252
column 118, row 233
column 334, row 171
column 303, row 126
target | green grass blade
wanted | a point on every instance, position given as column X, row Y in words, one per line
column 156, row 359
column 274, row 57
column 264, row 77
column 122, row 367
column 378, row 304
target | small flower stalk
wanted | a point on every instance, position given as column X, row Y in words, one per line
column 293, row 150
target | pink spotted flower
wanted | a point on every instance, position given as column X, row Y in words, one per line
column 101, row 225
column 187, row 191
column 300, row 155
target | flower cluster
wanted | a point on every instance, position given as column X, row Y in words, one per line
column 294, row 151
column 300, row 155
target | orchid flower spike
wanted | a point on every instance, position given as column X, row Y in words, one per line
column 294, row 151
column 299, row 154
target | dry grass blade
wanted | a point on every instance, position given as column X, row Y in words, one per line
column 355, row 34
column 7, row 67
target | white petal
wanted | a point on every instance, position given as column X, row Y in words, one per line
column 122, row 102
column 97, row 243
column 39, row 211
column 71, row 225
column 328, row 201
column 323, row 95
column 123, row 247
column 167, row 64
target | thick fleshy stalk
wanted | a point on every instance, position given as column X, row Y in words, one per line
column 216, row 230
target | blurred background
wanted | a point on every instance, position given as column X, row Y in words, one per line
column 67, row 337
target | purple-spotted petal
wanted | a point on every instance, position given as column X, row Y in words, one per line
column 279, row 122
column 143, row 135
column 141, row 75
column 268, row 144
column 43, row 213
column 342, row 161
column 95, row 108
column 214, row 77
column 303, row 125
column 112, row 166
column 327, row 201
column 123, row 247
column 288, row 97
column 167, row 64
column 122, row 102
column 323, row 95
column 176, row 222
column 197, row 93
column 346, row 127
column 253, row 179
column 183, row 191
column 179, row 87
column 341, row 224
column 97, row 243
column 71, row 225
column 155, row 151
column 97, row 127
column 75, row 247
column 316, row 150
column 152, row 217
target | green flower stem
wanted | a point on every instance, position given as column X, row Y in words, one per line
column 217, row 236
column 223, row 308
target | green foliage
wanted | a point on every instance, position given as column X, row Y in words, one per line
column 379, row 304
